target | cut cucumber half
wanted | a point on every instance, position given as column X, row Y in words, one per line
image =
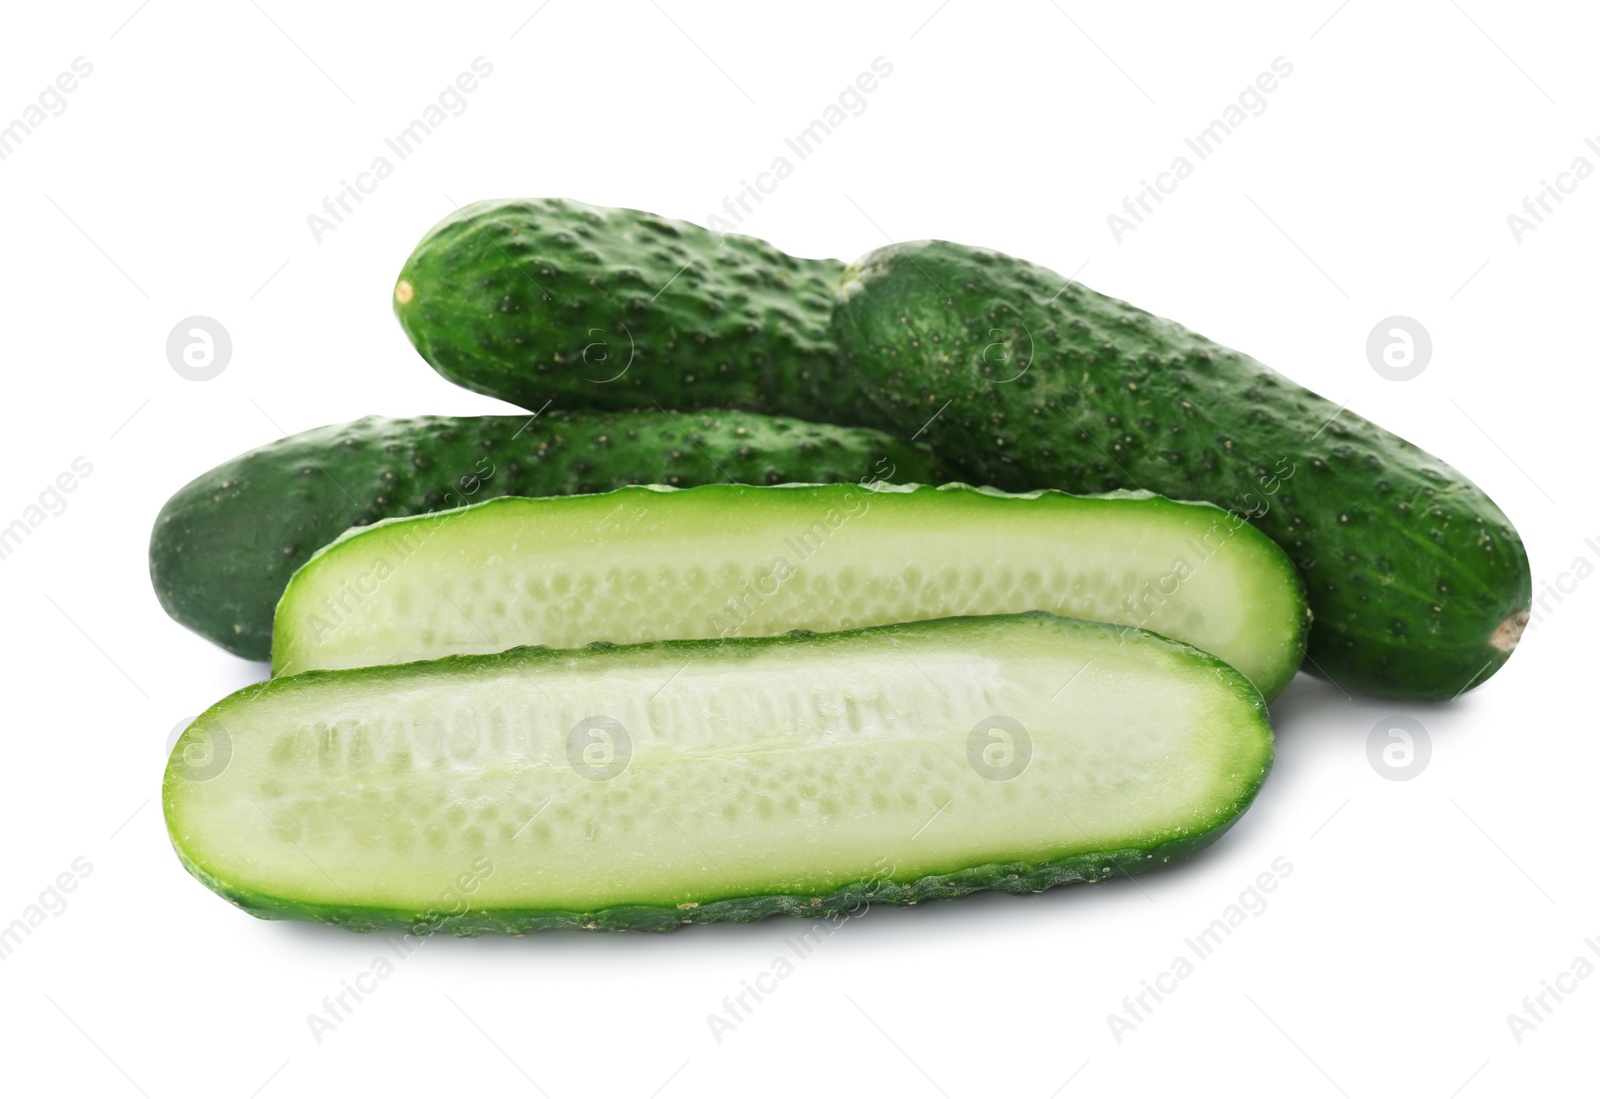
column 649, row 564
column 654, row 785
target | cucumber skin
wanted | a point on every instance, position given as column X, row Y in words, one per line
column 1364, row 514
column 1007, row 877
column 224, row 546
column 540, row 299
column 1413, row 573
column 1003, row 877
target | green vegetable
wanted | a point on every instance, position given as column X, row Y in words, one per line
column 679, row 782
column 547, row 299
column 1021, row 378
column 642, row 564
column 225, row 545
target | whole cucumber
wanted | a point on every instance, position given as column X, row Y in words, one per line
column 223, row 548
column 1419, row 585
column 541, row 299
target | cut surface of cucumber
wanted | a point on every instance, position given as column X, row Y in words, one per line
column 645, row 564
column 654, row 785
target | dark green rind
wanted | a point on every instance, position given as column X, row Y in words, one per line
column 1005, row 877
column 224, row 546
column 540, row 299
column 1419, row 585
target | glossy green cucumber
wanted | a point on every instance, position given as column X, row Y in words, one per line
column 679, row 782
column 1020, row 377
column 1024, row 378
column 531, row 300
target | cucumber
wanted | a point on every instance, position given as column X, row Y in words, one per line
column 1021, row 377
column 541, row 299
column 225, row 545
column 649, row 786
column 644, row 564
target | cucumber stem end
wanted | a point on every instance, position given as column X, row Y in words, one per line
column 1509, row 632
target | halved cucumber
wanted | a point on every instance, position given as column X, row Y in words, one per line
column 677, row 782
column 647, row 564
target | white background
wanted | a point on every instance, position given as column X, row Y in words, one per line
column 1418, row 913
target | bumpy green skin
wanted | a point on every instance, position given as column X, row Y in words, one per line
column 541, row 299
column 223, row 548
column 1419, row 584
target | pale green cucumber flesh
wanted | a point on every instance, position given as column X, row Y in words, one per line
column 642, row 564
column 652, row 785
